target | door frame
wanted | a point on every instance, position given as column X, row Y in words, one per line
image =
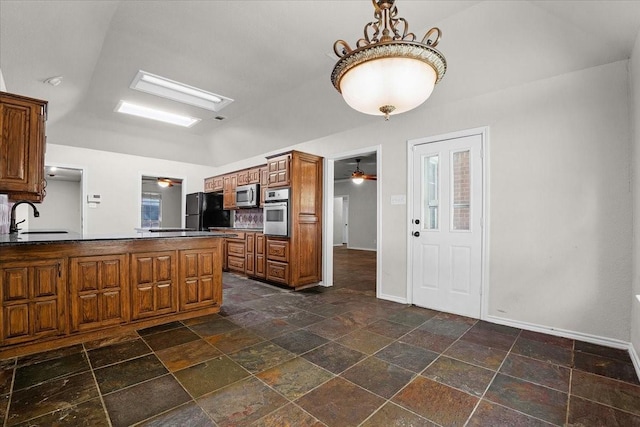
column 83, row 190
column 327, row 229
column 483, row 132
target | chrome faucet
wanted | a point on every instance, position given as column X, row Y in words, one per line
column 13, row 228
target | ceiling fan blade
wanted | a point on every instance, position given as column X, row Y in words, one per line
column 370, row 177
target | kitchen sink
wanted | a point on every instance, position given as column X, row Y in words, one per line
column 45, row 232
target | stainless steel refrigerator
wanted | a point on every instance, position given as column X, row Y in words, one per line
column 204, row 210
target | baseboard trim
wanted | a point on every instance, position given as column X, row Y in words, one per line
column 392, row 298
column 593, row 339
column 635, row 359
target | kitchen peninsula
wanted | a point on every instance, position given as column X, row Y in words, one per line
column 58, row 289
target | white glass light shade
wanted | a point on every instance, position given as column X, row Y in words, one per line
column 357, row 180
column 403, row 83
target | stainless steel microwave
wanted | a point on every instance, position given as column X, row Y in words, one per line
column 248, row 196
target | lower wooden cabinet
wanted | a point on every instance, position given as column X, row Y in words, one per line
column 153, row 281
column 99, row 294
column 260, row 256
column 200, row 278
column 236, row 252
column 33, row 300
column 278, row 271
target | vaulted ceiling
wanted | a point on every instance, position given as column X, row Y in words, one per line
column 274, row 58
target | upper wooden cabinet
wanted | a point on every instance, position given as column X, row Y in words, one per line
column 254, row 175
column 229, row 192
column 243, row 177
column 279, row 168
column 214, row 184
column 22, row 147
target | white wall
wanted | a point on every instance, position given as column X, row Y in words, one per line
column 560, row 203
column 61, row 208
column 635, row 122
column 117, row 178
column 362, row 212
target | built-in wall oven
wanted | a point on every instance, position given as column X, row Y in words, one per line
column 276, row 212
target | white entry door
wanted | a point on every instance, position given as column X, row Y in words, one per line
column 446, row 225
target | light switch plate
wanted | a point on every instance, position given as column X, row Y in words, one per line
column 398, row 199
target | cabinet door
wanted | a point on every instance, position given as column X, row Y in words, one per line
column 243, row 177
column 250, row 267
column 218, row 183
column 254, row 176
column 208, row 185
column 153, row 280
column 260, row 256
column 99, row 291
column 229, row 193
column 200, row 278
column 33, row 300
column 264, row 182
column 22, row 147
column 279, row 171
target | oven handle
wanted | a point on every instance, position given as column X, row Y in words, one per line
column 274, row 204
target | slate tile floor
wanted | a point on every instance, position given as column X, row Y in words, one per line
column 322, row 357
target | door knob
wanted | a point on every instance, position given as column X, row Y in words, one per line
column 416, row 234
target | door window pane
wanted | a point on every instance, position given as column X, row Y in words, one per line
column 461, row 190
column 430, row 214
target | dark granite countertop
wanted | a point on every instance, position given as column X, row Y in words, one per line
column 42, row 237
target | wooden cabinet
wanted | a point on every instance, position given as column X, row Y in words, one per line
column 230, row 182
column 236, row 253
column 99, row 294
column 264, row 182
column 277, row 260
column 300, row 262
column 153, row 284
column 243, row 177
column 260, row 258
column 279, row 169
column 255, row 255
column 22, row 147
column 250, row 257
column 200, row 278
column 254, row 175
column 215, row 184
column 33, row 300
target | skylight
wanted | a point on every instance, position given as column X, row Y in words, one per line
column 153, row 114
column 176, row 91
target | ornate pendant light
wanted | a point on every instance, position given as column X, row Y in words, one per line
column 389, row 72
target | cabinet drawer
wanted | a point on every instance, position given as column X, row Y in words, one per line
column 236, row 248
column 278, row 250
column 278, row 272
column 236, row 264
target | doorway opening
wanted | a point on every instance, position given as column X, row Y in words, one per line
column 62, row 206
column 161, row 202
column 352, row 253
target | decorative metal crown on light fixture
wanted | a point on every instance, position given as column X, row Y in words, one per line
column 389, row 72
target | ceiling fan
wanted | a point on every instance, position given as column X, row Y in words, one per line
column 358, row 176
column 165, row 182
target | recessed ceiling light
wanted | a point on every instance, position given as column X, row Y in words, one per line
column 176, row 91
column 153, row 114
